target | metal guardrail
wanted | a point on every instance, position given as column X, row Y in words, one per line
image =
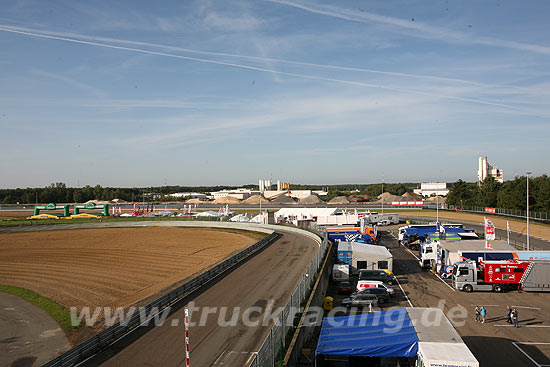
column 272, row 350
column 122, row 328
column 516, row 213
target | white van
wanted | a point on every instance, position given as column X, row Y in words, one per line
column 340, row 273
column 362, row 284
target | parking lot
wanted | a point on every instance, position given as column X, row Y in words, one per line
column 494, row 342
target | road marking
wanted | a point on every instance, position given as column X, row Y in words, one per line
column 416, row 257
column 444, row 282
column 531, row 308
column 405, row 294
column 527, row 355
column 524, row 326
column 412, row 253
column 527, row 307
column 218, row 359
column 399, row 284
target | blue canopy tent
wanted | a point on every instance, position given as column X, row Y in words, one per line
column 379, row 334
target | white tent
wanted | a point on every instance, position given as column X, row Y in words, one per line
column 208, row 213
column 257, row 219
column 240, row 218
column 304, row 213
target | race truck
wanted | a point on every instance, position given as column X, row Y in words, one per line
column 501, row 275
column 414, row 236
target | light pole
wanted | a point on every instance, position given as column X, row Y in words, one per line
column 382, row 194
column 437, row 206
column 528, row 173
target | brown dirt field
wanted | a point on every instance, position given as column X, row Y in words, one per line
column 113, row 267
column 537, row 230
column 16, row 214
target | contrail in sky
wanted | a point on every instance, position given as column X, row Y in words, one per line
column 427, row 30
column 254, row 68
column 255, row 58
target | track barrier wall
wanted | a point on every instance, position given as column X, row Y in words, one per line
column 306, row 328
column 271, row 353
column 120, row 329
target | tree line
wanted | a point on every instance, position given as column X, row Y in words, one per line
column 59, row 192
column 508, row 195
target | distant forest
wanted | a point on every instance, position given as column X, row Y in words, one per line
column 510, row 195
column 60, row 193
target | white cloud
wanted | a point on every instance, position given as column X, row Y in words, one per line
column 97, row 92
column 232, row 22
column 418, row 29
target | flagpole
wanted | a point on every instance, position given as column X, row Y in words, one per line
column 528, row 173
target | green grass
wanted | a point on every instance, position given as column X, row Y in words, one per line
column 38, row 222
column 59, row 313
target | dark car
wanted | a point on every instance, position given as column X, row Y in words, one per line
column 380, row 275
column 345, row 288
column 361, row 300
column 382, row 294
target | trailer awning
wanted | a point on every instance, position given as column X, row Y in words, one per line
column 446, row 354
column 379, row 334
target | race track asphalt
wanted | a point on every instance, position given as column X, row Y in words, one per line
column 269, row 278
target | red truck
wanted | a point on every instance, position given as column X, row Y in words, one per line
column 495, row 276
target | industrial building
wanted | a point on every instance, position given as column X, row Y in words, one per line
column 428, row 189
column 485, row 170
column 190, row 195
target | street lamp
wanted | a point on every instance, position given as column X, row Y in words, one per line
column 528, row 173
column 382, row 193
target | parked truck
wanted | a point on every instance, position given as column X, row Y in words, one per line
column 430, row 255
column 537, row 277
column 501, row 275
column 413, row 237
column 427, row 257
column 376, row 218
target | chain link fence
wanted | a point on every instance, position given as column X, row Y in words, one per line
column 538, row 216
column 271, row 353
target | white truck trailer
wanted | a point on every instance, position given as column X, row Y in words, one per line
column 536, row 277
column 375, row 218
column 439, row 344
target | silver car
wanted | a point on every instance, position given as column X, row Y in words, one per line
column 361, row 300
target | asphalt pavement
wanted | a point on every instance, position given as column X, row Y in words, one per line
column 28, row 335
column 269, row 278
column 494, row 343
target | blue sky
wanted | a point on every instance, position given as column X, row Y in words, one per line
column 139, row 93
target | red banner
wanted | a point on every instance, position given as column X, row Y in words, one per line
column 407, row 203
column 490, row 210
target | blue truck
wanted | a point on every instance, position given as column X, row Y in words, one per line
column 413, row 237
